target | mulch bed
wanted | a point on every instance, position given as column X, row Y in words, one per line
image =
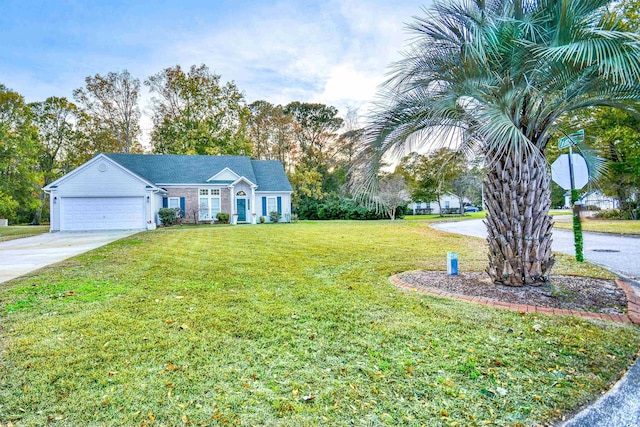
column 562, row 292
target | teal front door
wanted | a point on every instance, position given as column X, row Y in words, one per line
column 242, row 210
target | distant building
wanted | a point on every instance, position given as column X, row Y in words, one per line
column 594, row 199
column 448, row 202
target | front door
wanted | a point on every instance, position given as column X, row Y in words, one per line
column 242, row 209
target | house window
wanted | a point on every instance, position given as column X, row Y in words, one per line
column 272, row 205
column 174, row 202
column 208, row 203
column 241, row 193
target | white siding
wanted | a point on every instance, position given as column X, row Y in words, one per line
column 454, row 204
column 54, row 207
column 286, row 204
column 99, row 178
column 90, row 181
column 225, row 175
column 156, row 204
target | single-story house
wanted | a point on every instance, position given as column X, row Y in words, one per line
column 125, row 191
column 594, row 199
column 448, row 202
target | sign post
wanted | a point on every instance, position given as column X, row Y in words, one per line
column 560, row 178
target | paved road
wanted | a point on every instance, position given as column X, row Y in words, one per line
column 21, row 256
column 620, row 406
column 617, row 253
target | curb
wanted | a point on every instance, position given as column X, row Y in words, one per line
column 632, row 316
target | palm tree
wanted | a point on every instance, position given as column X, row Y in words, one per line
column 499, row 76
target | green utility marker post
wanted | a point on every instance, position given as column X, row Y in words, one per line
column 569, row 141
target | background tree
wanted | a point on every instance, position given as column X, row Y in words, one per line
column 467, row 186
column 19, row 175
column 111, row 101
column 315, row 130
column 57, row 122
column 194, row 114
column 431, row 176
column 270, row 130
column 502, row 75
column 307, row 191
column 393, row 194
column 615, row 136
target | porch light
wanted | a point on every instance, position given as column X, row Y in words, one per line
column 148, row 199
column 55, row 200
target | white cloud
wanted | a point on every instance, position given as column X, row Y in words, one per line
column 347, row 85
column 279, row 53
column 335, row 52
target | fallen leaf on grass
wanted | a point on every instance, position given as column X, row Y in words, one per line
column 488, row 393
column 184, row 326
column 172, row 367
column 68, row 294
column 308, row 398
column 178, row 297
column 169, row 320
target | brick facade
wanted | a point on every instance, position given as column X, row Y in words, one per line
column 225, row 201
column 192, row 203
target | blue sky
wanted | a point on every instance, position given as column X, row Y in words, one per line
column 335, row 52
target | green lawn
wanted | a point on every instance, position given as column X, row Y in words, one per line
column 19, row 231
column 448, row 217
column 604, row 226
column 469, row 215
column 289, row 325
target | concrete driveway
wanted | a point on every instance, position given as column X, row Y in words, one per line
column 21, row 256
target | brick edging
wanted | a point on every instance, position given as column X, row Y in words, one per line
column 632, row 316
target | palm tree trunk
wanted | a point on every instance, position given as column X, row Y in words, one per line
column 518, row 198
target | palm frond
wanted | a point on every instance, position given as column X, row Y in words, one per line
column 499, row 75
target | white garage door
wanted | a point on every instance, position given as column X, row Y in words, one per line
column 101, row 213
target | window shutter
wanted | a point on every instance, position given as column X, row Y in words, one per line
column 264, row 206
column 165, row 202
column 279, row 204
column 182, row 207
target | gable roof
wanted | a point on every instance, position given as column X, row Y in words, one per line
column 88, row 164
column 269, row 175
column 196, row 169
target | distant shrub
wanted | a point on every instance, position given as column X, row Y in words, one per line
column 167, row 216
column 222, row 217
column 341, row 208
column 262, row 220
column 275, row 216
column 612, row 214
column 294, row 217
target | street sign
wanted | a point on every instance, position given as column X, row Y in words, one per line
column 571, row 139
column 561, row 174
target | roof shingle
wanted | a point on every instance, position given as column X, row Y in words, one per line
column 167, row 169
